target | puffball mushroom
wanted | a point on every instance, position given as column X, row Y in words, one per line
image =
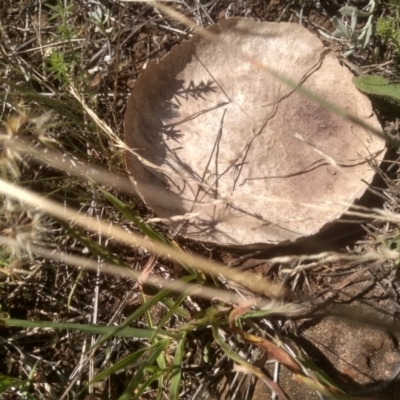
column 239, row 156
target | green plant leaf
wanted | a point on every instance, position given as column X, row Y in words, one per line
column 6, row 382
column 378, row 86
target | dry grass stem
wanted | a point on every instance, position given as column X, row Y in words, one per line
column 261, row 285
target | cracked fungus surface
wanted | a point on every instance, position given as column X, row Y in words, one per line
column 255, row 160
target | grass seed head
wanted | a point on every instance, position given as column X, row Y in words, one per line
column 20, row 127
column 21, row 225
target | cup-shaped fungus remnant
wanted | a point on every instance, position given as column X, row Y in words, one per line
column 242, row 157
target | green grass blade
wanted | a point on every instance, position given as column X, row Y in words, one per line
column 144, row 227
column 175, row 306
column 155, row 376
column 139, row 312
column 74, row 287
column 140, row 374
column 7, row 382
column 247, row 367
column 177, row 370
column 281, row 309
column 124, row 363
column 147, row 314
column 92, row 245
column 162, row 364
column 132, row 216
column 227, row 350
column 134, row 316
column 323, row 384
column 168, row 302
column 181, row 312
column 204, row 318
column 67, row 107
column 94, row 329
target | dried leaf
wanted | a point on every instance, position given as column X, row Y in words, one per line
column 241, row 309
column 274, row 351
column 321, row 385
column 270, row 383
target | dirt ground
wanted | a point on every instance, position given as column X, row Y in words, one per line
column 353, row 335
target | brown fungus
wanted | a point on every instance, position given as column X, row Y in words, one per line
column 252, row 160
